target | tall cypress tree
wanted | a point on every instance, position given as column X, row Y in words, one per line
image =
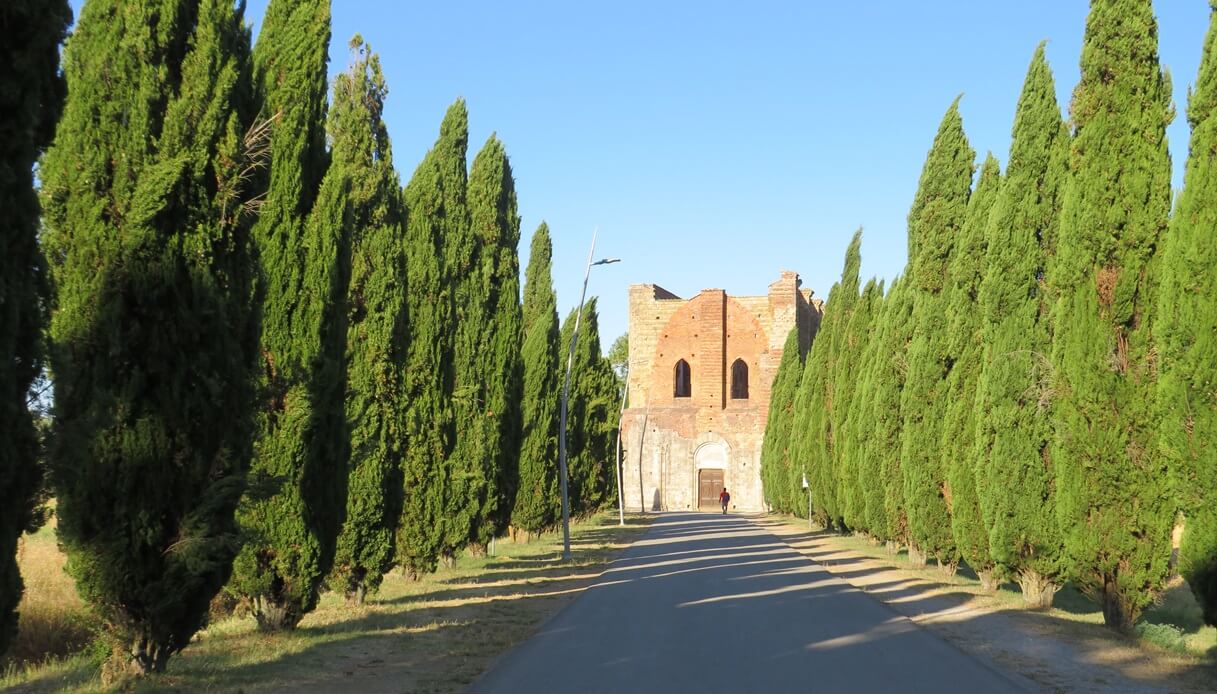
column 292, row 519
column 591, row 420
column 536, row 497
column 31, row 95
column 886, row 516
column 488, row 375
column 935, row 221
column 1113, row 500
column 435, row 200
column 964, row 349
column 854, row 426
column 154, row 337
column 1186, row 330
column 776, row 447
column 816, row 413
column 1013, row 471
column 376, row 329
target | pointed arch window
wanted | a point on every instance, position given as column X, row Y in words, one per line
column 739, row 380
column 683, row 387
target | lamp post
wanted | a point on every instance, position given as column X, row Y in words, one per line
column 570, row 358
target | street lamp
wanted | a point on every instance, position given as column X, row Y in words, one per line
column 570, row 358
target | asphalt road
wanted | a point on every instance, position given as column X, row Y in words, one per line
column 712, row 603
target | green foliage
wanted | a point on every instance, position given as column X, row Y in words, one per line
column 775, row 449
column 488, row 366
column 1186, row 333
column 536, row 501
column 937, row 217
column 300, row 460
column 1012, row 466
column 816, row 409
column 153, row 334
column 591, row 419
column 376, row 326
column 854, row 425
column 31, row 95
column 964, row 349
column 1113, row 498
column 883, row 382
column 435, row 199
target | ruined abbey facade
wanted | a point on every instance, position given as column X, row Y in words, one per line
column 699, row 383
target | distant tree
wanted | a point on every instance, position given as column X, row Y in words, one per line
column 1186, row 330
column 154, row 338
column 619, row 358
column 592, row 410
column 854, row 426
column 292, row 519
column 489, row 376
column 31, row 95
column 775, row 449
column 376, row 328
column 935, row 221
column 435, row 200
column 1113, row 497
column 964, row 349
column 536, row 499
column 1013, row 471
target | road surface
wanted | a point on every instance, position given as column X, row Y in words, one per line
column 712, row 603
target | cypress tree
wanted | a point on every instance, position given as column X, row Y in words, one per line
column 376, row 329
column 536, row 504
column 1186, row 330
column 153, row 333
column 488, row 367
column 964, row 345
column 1112, row 498
column 1013, row 471
column 776, row 447
column 815, row 418
column 292, row 518
column 854, row 426
column 886, row 516
column 935, row 221
column 591, row 419
column 31, row 95
column 435, row 199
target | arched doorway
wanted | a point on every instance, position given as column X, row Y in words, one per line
column 710, row 461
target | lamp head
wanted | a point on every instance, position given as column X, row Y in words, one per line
column 607, row 261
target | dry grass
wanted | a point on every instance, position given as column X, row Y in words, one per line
column 435, row 634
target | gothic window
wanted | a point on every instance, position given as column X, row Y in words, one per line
column 683, row 387
column 739, row 380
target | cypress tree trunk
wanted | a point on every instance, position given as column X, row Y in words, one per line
column 536, row 499
column 295, row 509
column 775, row 449
column 935, row 221
column 1013, row 469
column 854, row 427
column 376, row 332
column 1112, row 497
column 31, row 95
column 435, row 200
column 964, row 344
column 1186, row 328
column 154, row 336
column 488, row 340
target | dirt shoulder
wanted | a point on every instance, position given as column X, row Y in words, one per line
column 1061, row 649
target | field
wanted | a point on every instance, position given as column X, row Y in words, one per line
column 436, row 634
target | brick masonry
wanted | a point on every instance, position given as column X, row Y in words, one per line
column 667, row 441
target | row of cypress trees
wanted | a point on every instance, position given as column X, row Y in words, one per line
column 1034, row 396
column 275, row 369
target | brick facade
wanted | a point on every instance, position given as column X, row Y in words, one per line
column 668, row 441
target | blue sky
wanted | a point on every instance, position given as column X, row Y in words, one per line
column 716, row 143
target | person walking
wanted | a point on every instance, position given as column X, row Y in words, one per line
column 724, row 498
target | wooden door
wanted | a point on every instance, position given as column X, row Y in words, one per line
column 710, row 484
